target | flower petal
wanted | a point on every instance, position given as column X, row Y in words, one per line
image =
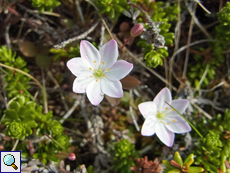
column 177, row 124
column 163, row 96
column 165, row 135
column 180, row 105
column 94, row 93
column 78, row 66
column 80, row 84
column 148, row 109
column 109, row 53
column 119, row 70
column 111, row 88
column 148, row 128
column 90, row 53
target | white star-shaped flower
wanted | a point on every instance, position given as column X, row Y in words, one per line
column 161, row 119
column 99, row 72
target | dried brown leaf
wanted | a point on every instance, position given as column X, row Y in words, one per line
column 28, row 49
column 129, row 82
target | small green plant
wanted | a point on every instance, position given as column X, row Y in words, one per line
column 213, row 150
column 112, row 8
column 123, row 156
column 90, row 169
column 46, row 152
column 25, row 114
column 212, row 57
column 177, row 165
column 222, row 30
column 23, row 117
column 69, row 52
column 165, row 13
column 197, row 70
column 157, row 34
column 153, row 58
column 20, row 118
column 15, row 83
column 45, row 5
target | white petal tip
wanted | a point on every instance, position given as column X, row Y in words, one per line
column 146, row 134
column 170, row 145
column 95, row 103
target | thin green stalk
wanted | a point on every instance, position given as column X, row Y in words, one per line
column 186, row 120
column 52, row 139
column 201, row 5
column 15, row 145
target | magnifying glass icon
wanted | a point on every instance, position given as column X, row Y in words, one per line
column 9, row 160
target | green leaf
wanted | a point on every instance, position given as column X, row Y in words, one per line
column 31, row 124
column 174, row 171
column 21, row 100
column 190, row 156
column 19, row 63
column 43, row 60
column 168, row 164
column 178, row 158
column 195, row 169
column 15, row 105
column 11, row 113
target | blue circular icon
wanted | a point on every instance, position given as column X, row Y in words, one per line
column 8, row 159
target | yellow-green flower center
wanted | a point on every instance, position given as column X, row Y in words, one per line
column 98, row 74
column 160, row 115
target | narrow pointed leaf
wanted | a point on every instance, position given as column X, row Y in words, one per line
column 195, row 170
column 178, row 158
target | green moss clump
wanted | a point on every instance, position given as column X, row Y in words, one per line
column 213, row 150
column 112, row 8
column 45, row 5
column 123, row 155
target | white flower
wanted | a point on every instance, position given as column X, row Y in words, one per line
column 99, row 72
column 161, row 119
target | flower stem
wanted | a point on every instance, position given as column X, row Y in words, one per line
column 127, row 40
column 15, row 145
column 201, row 5
column 186, row 120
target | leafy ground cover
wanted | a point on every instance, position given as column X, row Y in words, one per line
column 116, row 86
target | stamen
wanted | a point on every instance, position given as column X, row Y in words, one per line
column 167, row 123
column 103, row 63
column 107, row 69
column 91, row 76
column 94, row 61
column 173, row 120
column 90, row 68
column 158, row 112
column 166, row 108
column 96, row 80
column 161, row 121
column 172, row 109
column 105, row 76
